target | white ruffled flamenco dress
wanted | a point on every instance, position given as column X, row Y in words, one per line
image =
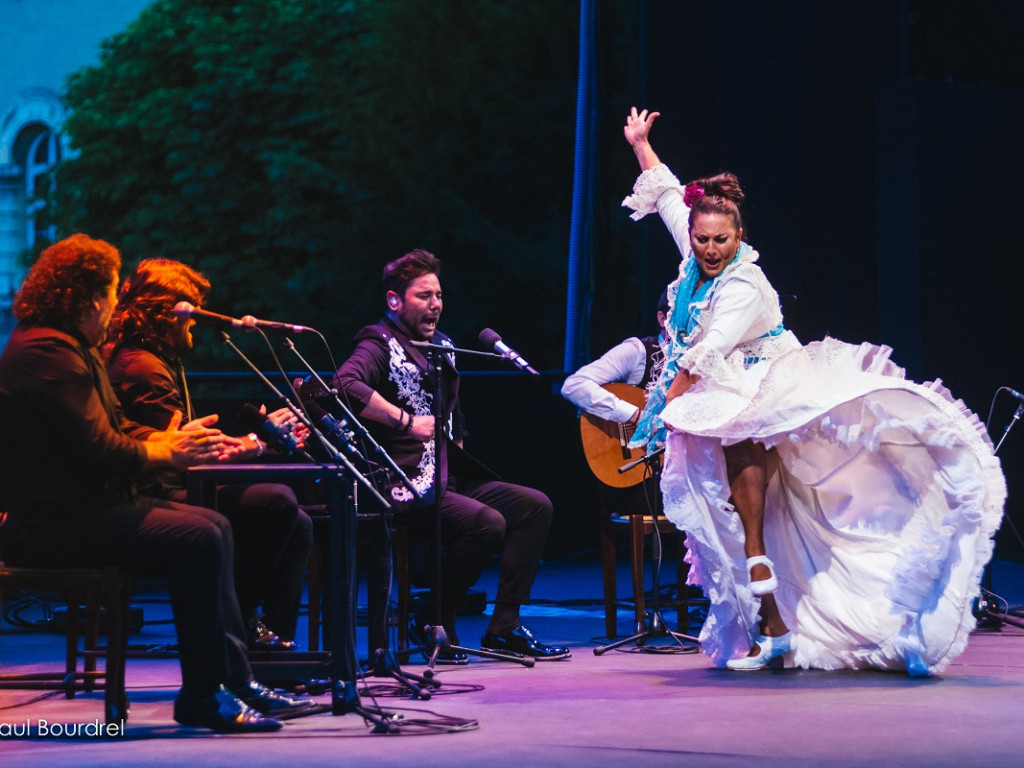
column 882, row 500
column 883, row 494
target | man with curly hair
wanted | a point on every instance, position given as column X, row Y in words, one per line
column 67, row 483
column 273, row 536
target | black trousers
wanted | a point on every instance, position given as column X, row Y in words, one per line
column 480, row 518
column 273, row 539
column 192, row 547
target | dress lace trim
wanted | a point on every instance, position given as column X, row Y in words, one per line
column 647, row 188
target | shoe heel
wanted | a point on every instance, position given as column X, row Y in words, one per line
column 782, row 661
column 777, row 662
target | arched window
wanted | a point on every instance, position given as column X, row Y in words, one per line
column 42, row 153
column 30, row 146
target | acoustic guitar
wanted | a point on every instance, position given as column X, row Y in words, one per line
column 605, row 443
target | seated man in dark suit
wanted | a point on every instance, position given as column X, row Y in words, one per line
column 273, row 536
column 388, row 381
column 67, row 472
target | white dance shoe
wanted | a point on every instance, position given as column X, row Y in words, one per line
column 770, row 654
column 765, row 586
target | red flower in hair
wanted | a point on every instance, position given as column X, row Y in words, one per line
column 692, row 194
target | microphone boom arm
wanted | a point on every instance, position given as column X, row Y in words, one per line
column 359, row 429
column 301, row 416
column 288, row 403
column 460, row 350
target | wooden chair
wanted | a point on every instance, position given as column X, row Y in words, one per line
column 375, row 539
column 605, row 447
column 86, row 591
column 635, row 529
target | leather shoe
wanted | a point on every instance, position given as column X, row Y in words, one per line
column 522, row 642
column 269, row 702
column 262, row 638
column 222, row 712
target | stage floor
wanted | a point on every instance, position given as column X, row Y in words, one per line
column 625, row 707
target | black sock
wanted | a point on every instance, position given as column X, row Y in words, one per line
column 504, row 618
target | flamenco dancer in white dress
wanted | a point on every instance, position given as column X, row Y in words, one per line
column 837, row 515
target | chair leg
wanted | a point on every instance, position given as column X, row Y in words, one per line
column 378, row 551
column 403, row 582
column 608, row 568
column 314, row 580
column 636, row 559
column 74, row 619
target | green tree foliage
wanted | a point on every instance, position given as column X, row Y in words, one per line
column 288, row 148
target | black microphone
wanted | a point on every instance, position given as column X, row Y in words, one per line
column 1015, row 393
column 646, row 458
column 251, row 322
column 184, row 309
column 337, row 427
column 251, row 420
column 491, row 339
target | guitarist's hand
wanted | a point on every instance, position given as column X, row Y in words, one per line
column 629, row 426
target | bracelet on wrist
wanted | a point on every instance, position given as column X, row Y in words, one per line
column 407, row 427
column 256, row 441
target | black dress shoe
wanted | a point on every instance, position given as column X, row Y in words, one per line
column 270, row 702
column 223, row 712
column 521, row 642
column 262, row 638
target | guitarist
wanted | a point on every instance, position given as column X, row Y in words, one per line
column 635, row 361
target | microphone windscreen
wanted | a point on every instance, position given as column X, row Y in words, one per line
column 315, row 411
column 250, row 419
column 311, row 388
column 183, row 309
column 488, row 337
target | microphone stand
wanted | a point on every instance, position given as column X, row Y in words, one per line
column 384, row 664
column 288, row 403
column 337, row 456
column 437, row 640
column 343, row 666
column 359, row 429
column 985, row 609
column 657, row 626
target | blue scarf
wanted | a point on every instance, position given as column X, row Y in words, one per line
column 683, row 319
